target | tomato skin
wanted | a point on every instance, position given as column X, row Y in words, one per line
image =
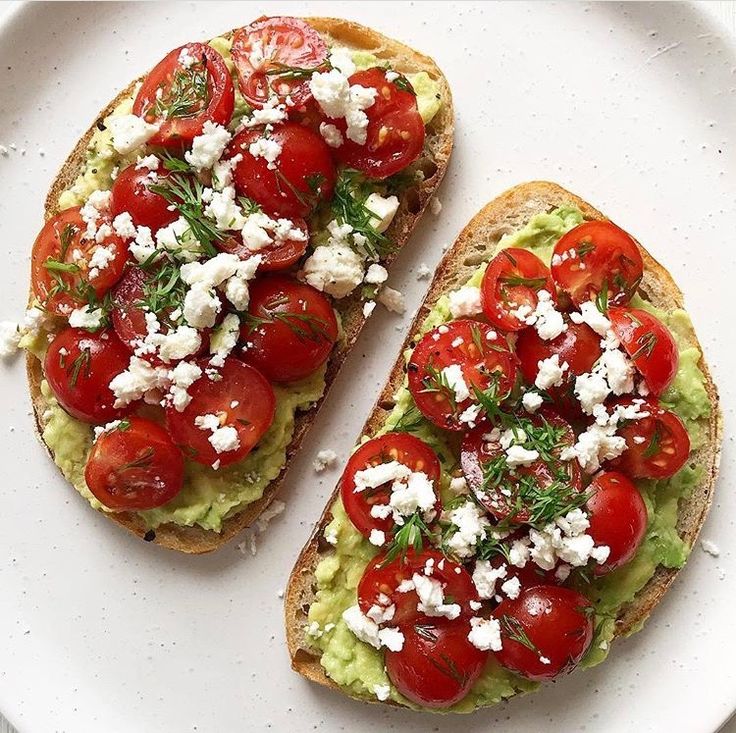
column 295, row 331
column 251, row 415
column 426, row 669
column 555, row 622
column 122, row 487
column 666, row 445
column 67, row 231
column 499, row 296
column 281, row 40
column 401, row 447
column 604, row 254
column 618, row 518
column 395, row 132
column 216, row 107
column 649, row 344
column 435, row 351
column 131, row 193
column 285, row 190
column 87, row 396
column 383, row 578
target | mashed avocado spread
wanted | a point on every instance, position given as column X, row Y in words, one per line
column 358, row 667
column 208, row 497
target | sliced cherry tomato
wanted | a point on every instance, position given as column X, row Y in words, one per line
column 618, row 518
column 395, row 133
column 597, row 256
column 437, row 665
column 279, row 255
column 657, row 446
column 241, row 398
column 131, row 192
column 649, row 344
column 482, row 358
column 511, row 281
column 545, row 631
column 79, row 366
column 381, row 579
column 134, row 466
column 188, row 87
column 402, row 447
column 266, row 54
column 302, row 175
column 290, row 330
column 63, row 271
column 519, row 494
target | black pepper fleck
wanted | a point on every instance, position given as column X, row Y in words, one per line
column 150, row 536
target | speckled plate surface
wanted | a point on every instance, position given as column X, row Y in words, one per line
column 631, row 106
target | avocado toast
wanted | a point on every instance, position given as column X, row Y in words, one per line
column 322, row 641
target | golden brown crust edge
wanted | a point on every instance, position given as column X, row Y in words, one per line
column 433, row 163
column 505, row 214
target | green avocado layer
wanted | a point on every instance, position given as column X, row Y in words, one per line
column 358, row 667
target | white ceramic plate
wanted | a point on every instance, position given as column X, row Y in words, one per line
column 632, row 106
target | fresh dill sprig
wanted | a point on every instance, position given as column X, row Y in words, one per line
column 514, row 630
column 409, row 535
column 305, row 326
column 186, row 96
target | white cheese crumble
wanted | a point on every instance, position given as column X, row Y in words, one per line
column 465, row 302
column 471, row 525
column 384, row 210
column 485, row 634
column 392, row 300
column 453, row 375
column 335, row 269
column 710, row 547
column 266, row 148
column 129, row 132
column 223, row 438
column 531, row 401
column 432, row 598
column 208, row 147
column 377, row 538
column 86, row 317
column 376, row 274
column 326, row 458
column 368, row 631
column 550, row 372
column 330, row 134
column 485, row 577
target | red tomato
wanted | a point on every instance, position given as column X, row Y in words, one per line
column 527, row 497
column 304, row 173
column 182, row 98
column 437, row 665
column 241, row 398
column 134, row 466
column 290, row 329
column 79, row 366
column 512, row 280
column 483, row 361
column 401, row 447
column 395, row 133
column 131, row 193
column 267, row 52
column 276, row 256
column 649, row 344
column 380, row 581
column 618, row 518
column 545, row 631
column 657, row 446
column 60, row 269
column 596, row 256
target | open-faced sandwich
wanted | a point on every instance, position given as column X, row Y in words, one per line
column 531, row 479
column 211, row 250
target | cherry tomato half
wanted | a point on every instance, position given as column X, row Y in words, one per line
column 188, row 87
column 402, row 447
column 267, row 52
column 618, row 518
column 545, row 631
column 511, row 281
column 302, row 175
column 61, row 273
column 657, row 446
column 131, row 192
column 79, row 366
column 437, row 665
column 134, row 466
column 595, row 256
column 395, row 132
column 483, row 361
column 290, row 330
column 649, row 344
column 241, row 398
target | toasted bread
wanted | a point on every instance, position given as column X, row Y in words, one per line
column 414, row 200
column 504, row 215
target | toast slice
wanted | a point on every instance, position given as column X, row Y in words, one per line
column 475, row 244
column 414, row 200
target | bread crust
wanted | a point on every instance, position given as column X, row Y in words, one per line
column 433, row 163
column 504, row 215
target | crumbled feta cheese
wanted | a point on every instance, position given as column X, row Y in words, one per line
column 551, row 373
column 137, row 380
column 201, row 306
column 330, row 134
column 178, row 344
column 86, row 317
column 519, row 553
column 375, row 476
column 266, row 148
column 432, row 598
column 208, row 147
column 465, row 301
column 382, row 692
column 129, row 132
column 453, row 375
column 392, row 300
column 179, row 240
column 458, row 485
column 223, row 209
column 102, row 429
column 471, row 523
column 423, row 272
column 331, row 535
column 325, row 459
column 710, row 547
column 470, row 415
column 517, row 455
column 334, row 269
column 531, row 401
column 485, row 577
column 223, row 439
column 182, row 376
column 376, row 274
column 384, row 210
column 341, row 58
column 10, row 336
column 148, row 162
column 485, row 634
column 512, row 587
column 367, row 630
column 377, row 538
column 548, row 321
column 143, row 248
column 435, row 206
column 368, row 307
column 590, row 315
column 271, row 113
column 124, row 226
column 413, row 493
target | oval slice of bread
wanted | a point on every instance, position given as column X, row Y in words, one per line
column 504, row 215
column 414, row 201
